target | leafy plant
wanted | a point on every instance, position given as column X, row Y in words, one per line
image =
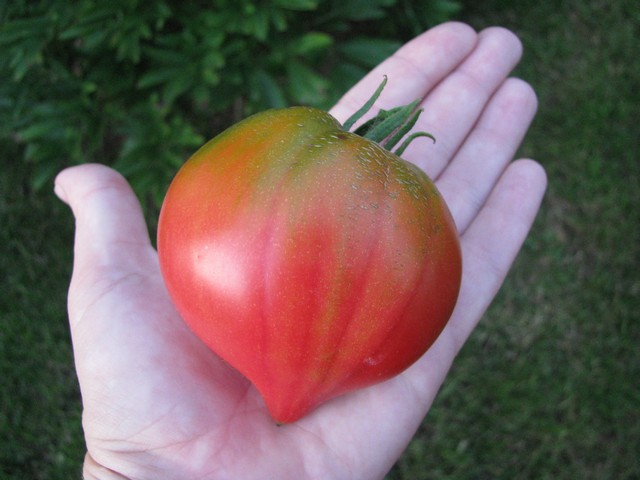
column 139, row 85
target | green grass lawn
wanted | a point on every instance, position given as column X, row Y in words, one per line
column 548, row 385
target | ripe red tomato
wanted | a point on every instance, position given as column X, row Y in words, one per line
column 309, row 258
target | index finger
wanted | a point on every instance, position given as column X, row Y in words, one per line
column 413, row 70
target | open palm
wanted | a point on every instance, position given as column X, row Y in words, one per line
column 159, row 405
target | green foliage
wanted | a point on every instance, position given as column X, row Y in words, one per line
column 140, row 85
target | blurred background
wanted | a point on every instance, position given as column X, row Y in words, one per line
column 548, row 385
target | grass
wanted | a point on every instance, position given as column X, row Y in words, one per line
column 40, row 432
column 547, row 386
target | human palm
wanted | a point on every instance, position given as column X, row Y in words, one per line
column 159, row 405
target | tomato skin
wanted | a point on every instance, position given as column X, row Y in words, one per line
column 311, row 259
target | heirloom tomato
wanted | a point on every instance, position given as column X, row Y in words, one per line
column 310, row 258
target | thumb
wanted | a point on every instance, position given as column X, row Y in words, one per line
column 111, row 235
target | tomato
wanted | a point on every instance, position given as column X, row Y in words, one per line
column 311, row 259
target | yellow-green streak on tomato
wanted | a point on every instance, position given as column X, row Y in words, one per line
column 311, row 259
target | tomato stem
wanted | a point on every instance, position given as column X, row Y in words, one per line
column 365, row 108
column 400, row 150
column 402, row 131
column 388, row 127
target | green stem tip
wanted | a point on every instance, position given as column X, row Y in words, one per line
column 388, row 127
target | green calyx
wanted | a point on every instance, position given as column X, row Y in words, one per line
column 389, row 126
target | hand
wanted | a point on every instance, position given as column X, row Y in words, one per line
column 160, row 405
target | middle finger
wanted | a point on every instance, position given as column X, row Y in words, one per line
column 453, row 106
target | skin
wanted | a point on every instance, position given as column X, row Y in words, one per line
column 159, row 405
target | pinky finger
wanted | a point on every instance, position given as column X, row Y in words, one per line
column 493, row 240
